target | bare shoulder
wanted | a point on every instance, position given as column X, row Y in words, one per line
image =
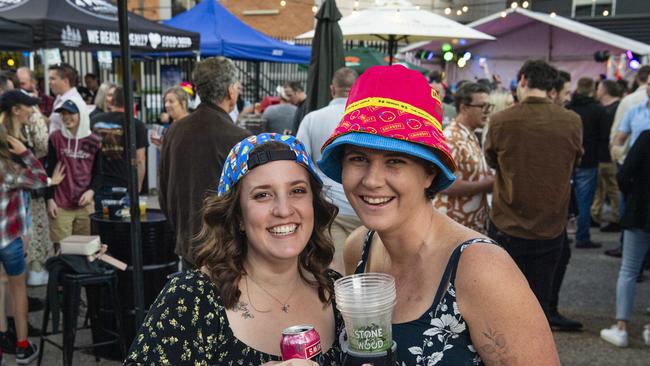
column 506, row 323
column 485, row 264
column 353, row 248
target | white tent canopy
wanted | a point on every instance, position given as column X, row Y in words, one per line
column 523, row 34
column 569, row 25
column 401, row 20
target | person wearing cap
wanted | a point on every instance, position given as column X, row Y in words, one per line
column 14, row 178
column 33, row 132
column 279, row 117
column 460, row 297
column 70, row 204
column 262, row 266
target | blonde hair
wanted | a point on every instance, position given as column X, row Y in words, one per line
column 102, row 92
column 501, row 99
column 181, row 95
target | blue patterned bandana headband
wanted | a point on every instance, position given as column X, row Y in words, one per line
column 240, row 161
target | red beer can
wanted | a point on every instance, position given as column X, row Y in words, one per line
column 300, row 341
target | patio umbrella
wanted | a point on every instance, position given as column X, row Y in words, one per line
column 326, row 56
column 398, row 20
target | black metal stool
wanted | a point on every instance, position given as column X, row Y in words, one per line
column 72, row 284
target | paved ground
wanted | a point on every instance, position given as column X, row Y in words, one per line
column 588, row 295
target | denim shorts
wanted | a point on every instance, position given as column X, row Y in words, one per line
column 13, row 258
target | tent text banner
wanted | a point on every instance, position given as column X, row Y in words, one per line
column 91, row 25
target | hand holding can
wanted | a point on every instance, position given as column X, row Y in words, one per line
column 300, row 342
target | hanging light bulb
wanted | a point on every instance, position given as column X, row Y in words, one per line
column 525, row 4
column 605, row 12
column 514, row 5
column 283, row 3
column 447, row 11
column 465, row 9
column 459, row 12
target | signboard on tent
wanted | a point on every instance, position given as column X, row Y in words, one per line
column 91, row 25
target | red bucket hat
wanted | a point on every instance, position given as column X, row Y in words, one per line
column 392, row 108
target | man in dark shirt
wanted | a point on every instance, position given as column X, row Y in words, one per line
column 609, row 94
column 195, row 149
column 533, row 147
column 111, row 127
column 586, row 174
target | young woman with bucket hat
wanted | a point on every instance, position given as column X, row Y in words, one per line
column 389, row 153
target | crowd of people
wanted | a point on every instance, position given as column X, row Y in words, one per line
column 59, row 158
column 500, row 183
column 465, row 197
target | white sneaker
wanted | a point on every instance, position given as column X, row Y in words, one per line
column 614, row 336
column 646, row 336
column 37, row 278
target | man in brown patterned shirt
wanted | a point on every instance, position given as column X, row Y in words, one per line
column 466, row 200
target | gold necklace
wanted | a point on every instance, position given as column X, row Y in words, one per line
column 251, row 301
column 284, row 304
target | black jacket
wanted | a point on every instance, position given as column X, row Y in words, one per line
column 192, row 157
column 634, row 182
column 605, row 129
column 591, row 112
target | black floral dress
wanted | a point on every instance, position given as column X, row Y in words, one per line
column 440, row 336
column 187, row 325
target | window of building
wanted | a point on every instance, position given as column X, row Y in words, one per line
column 593, row 8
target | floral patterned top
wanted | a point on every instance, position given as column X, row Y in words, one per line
column 470, row 211
column 187, row 325
column 440, row 336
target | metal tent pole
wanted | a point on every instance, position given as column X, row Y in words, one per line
column 136, row 242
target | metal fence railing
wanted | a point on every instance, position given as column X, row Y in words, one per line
column 258, row 79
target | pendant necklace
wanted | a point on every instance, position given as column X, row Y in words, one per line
column 284, row 304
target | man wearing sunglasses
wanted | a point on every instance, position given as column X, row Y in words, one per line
column 466, row 200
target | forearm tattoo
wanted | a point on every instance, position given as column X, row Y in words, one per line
column 494, row 349
column 242, row 307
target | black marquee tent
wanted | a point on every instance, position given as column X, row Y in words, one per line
column 91, row 25
column 15, row 36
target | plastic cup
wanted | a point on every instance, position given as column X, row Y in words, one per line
column 366, row 302
column 143, row 207
column 105, row 204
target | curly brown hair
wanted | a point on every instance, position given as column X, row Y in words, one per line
column 223, row 248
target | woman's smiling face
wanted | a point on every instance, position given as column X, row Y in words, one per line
column 277, row 210
column 383, row 187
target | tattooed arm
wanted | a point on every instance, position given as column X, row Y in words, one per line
column 506, row 323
